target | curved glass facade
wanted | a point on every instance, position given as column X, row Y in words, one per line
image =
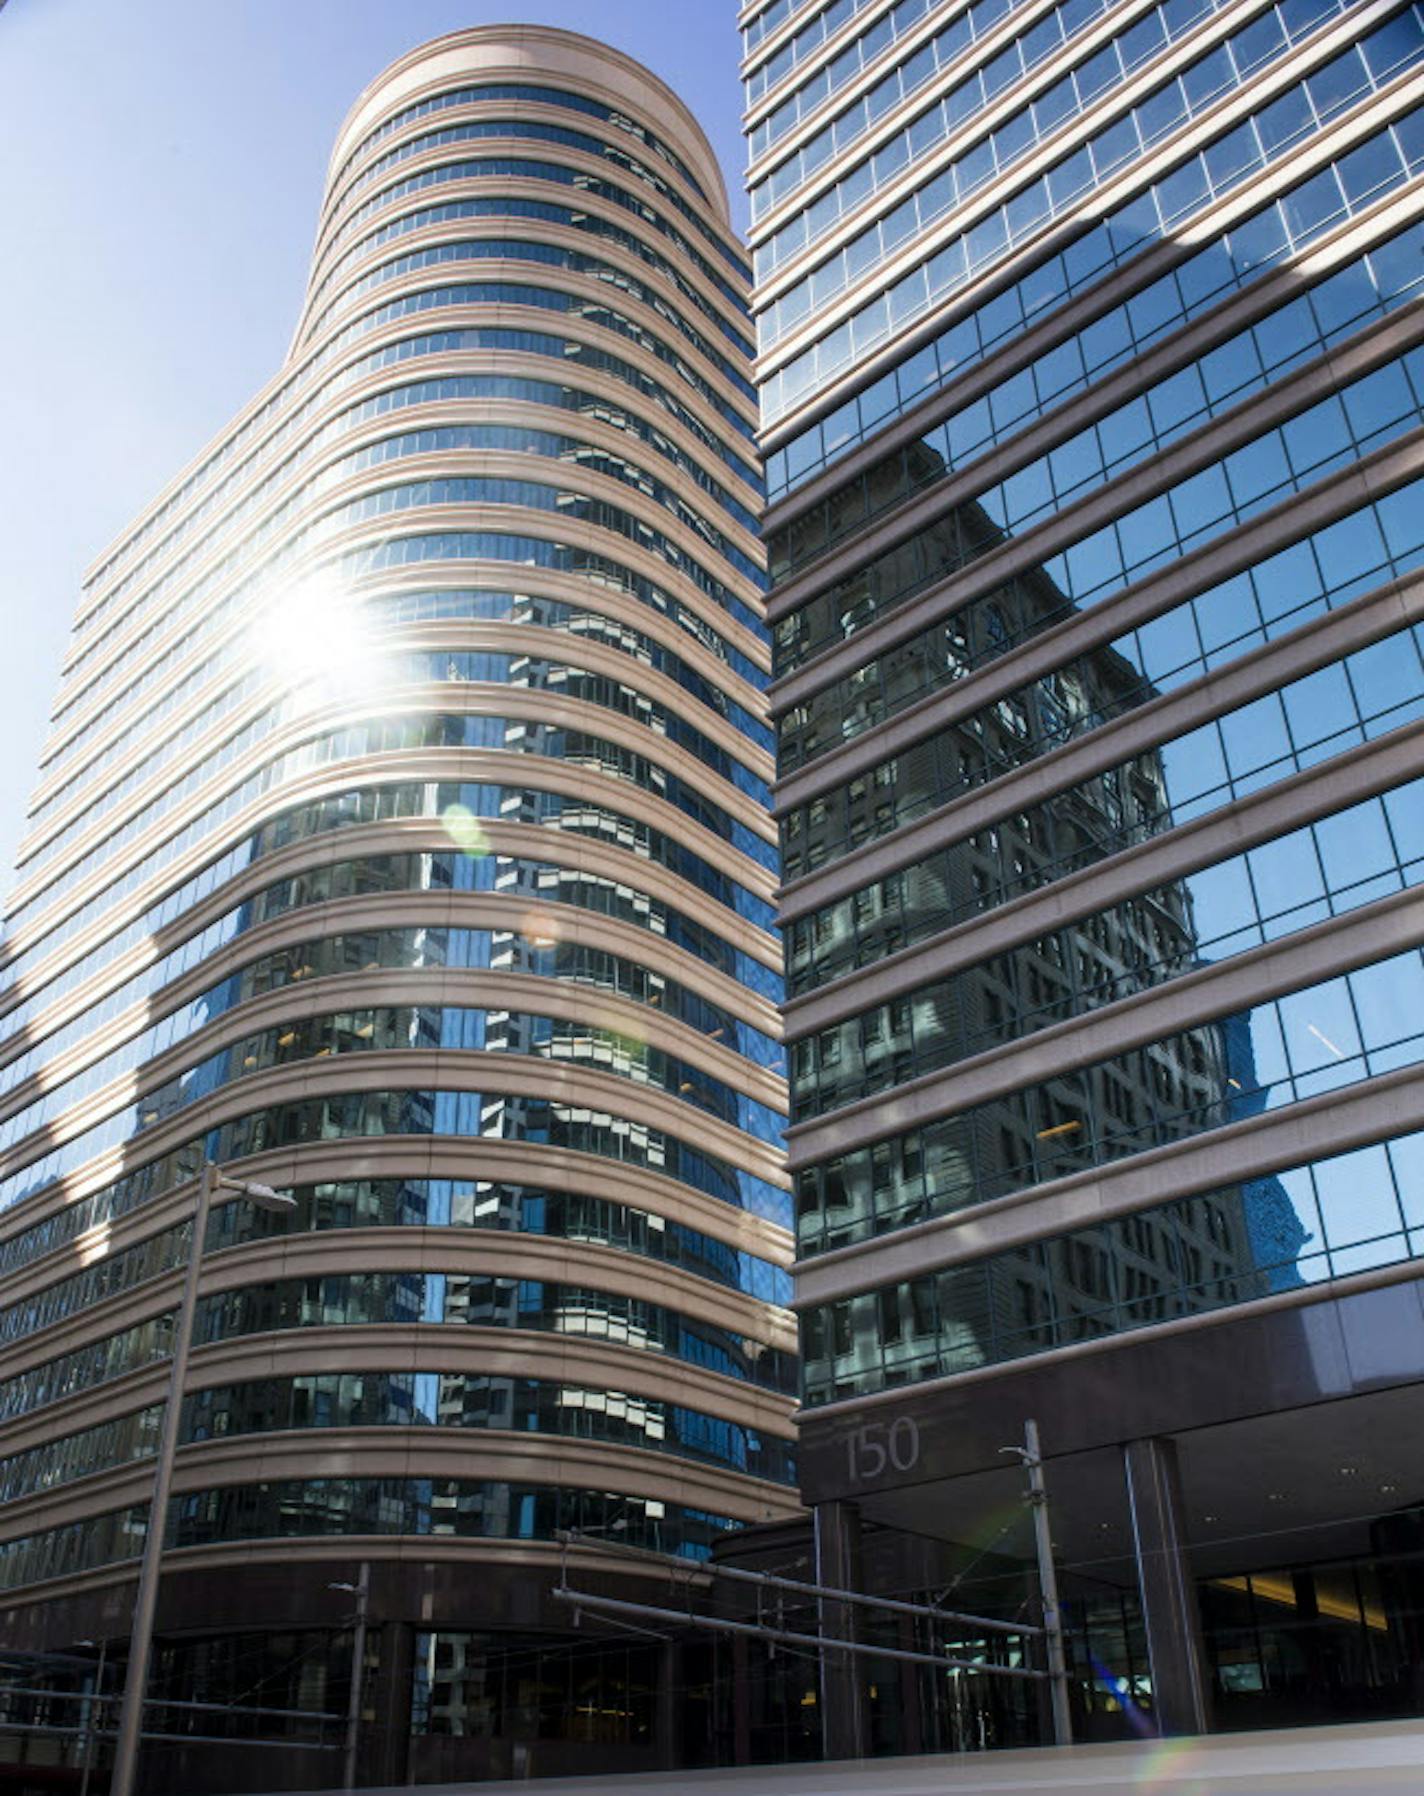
column 441, row 675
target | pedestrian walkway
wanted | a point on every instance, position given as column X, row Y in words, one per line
column 1327, row 1761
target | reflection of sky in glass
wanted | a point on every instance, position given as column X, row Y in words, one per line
column 1270, row 1234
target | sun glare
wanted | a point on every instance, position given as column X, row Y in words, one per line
column 317, row 639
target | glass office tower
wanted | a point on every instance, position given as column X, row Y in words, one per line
column 403, row 841
column 1091, row 350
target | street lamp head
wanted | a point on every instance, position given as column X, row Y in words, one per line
column 265, row 1198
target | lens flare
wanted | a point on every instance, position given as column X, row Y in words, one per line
column 542, row 929
column 464, row 829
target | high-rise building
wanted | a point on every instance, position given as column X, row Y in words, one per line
column 1091, row 348
column 402, row 841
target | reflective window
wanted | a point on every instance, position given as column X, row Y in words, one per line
column 528, row 168
column 1162, row 210
column 1278, row 1233
column 1226, row 262
column 1349, row 423
column 403, row 1399
column 1287, row 883
column 1079, row 87
column 1351, row 701
column 442, row 666
column 455, row 803
column 480, row 1300
column 1367, row 287
column 541, row 882
column 540, row 95
column 566, row 350
column 386, row 1203
column 513, row 735
column 491, row 1115
column 335, row 1506
column 381, row 611
column 535, row 131
column 1214, row 171
column 408, row 1399
column 523, row 950
column 507, row 249
column 389, row 1029
column 111, row 1444
column 1268, row 599
column 827, row 20
column 1327, row 1036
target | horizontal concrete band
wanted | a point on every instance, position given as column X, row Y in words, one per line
column 384, row 767
column 545, row 56
column 1319, row 380
column 328, row 397
column 719, row 363
column 401, row 987
column 138, row 634
column 1220, row 114
column 1363, row 772
column 304, row 403
column 346, row 253
column 542, row 1558
column 538, row 1165
column 1353, row 123
column 492, row 1253
column 339, row 288
column 1071, row 317
column 1328, row 949
column 580, row 286
column 451, row 1069
column 1239, row 549
column 410, row 1348
column 146, row 640
column 534, row 52
column 114, row 643
column 1037, row 439
column 852, row 87
column 309, row 484
column 1263, row 670
column 584, row 654
column 395, row 836
column 1304, row 1298
column 1257, row 1147
column 491, row 766
column 951, row 145
column 363, row 201
column 516, row 913
column 465, row 699
column 97, row 722
column 424, row 1452
column 1223, row 110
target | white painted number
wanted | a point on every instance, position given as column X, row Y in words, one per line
column 904, row 1443
column 875, row 1445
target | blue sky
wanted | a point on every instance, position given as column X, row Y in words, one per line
column 161, row 164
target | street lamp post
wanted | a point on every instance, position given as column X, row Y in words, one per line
column 361, row 1590
column 211, row 1179
column 93, row 1714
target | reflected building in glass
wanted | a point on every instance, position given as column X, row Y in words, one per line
column 402, row 841
column 1092, row 377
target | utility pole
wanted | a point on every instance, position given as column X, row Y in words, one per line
column 361, row 1590
column 212, row 1179
column 95, row 1715
column 1031, row 1458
